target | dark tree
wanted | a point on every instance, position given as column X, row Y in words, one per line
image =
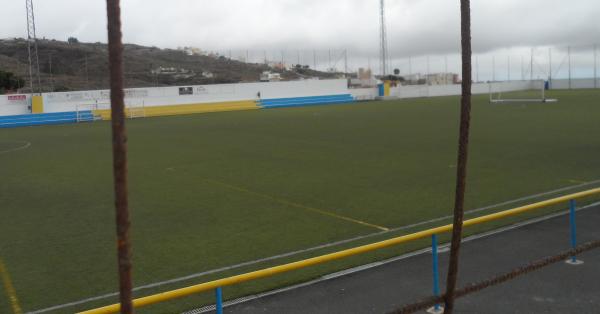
column 10, row 82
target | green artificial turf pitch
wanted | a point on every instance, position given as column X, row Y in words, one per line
column 213, row 190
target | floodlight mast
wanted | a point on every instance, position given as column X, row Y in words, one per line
column 32, row 49
column 383, row 40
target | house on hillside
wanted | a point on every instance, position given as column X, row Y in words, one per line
column 268, row 76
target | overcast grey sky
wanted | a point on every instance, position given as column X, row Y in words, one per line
column 415, row 27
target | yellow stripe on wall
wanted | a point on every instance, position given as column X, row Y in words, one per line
column 157, row 111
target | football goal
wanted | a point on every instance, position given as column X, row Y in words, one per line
column 505, row 94
column 85, row 112
column 137, row 110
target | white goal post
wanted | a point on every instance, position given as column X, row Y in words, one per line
column 504, row 94
column 132, row 110
column 137, row 110
column 82, row 112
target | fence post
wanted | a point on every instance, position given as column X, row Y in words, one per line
column 436, row 309
column 219, row 303
column 572, row 222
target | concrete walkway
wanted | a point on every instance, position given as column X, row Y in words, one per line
column 559, row 288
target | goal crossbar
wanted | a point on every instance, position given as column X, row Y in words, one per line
column 539, row 97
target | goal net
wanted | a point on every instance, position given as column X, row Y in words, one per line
column 89, row 112
column 85, row 113
column 505, row 94
column 135, row 110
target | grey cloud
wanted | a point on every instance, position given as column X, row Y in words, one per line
column 415, row 27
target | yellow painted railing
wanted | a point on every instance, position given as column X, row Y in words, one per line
column 267, row 272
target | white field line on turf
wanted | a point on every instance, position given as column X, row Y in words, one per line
column 25, row 146
column 209, row 308
column 293, row 204
column 322, row 246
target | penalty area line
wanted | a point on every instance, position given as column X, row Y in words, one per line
column 297, row 205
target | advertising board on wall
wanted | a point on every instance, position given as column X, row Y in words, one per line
column 17, row 97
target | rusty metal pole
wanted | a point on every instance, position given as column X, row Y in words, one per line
column 119, row 139
column 463, row 148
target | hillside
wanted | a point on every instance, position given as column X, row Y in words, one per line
column 84, row 66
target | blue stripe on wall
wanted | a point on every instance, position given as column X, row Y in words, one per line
column 71, row 117
column 45, row 118
column 306, row 101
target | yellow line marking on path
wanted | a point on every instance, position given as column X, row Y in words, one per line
column 289, row 203
column 10, row 289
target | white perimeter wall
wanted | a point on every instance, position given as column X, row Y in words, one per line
column 415, row 91
column 161, row 96
column 9, row 107
column 575, row 83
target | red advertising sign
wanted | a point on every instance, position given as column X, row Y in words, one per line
column 17, row 97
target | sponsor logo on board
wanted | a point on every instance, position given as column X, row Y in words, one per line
column 17, row 97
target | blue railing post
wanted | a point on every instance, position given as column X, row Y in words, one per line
column 436, row 284
column 219, row 303
column 572, row 207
